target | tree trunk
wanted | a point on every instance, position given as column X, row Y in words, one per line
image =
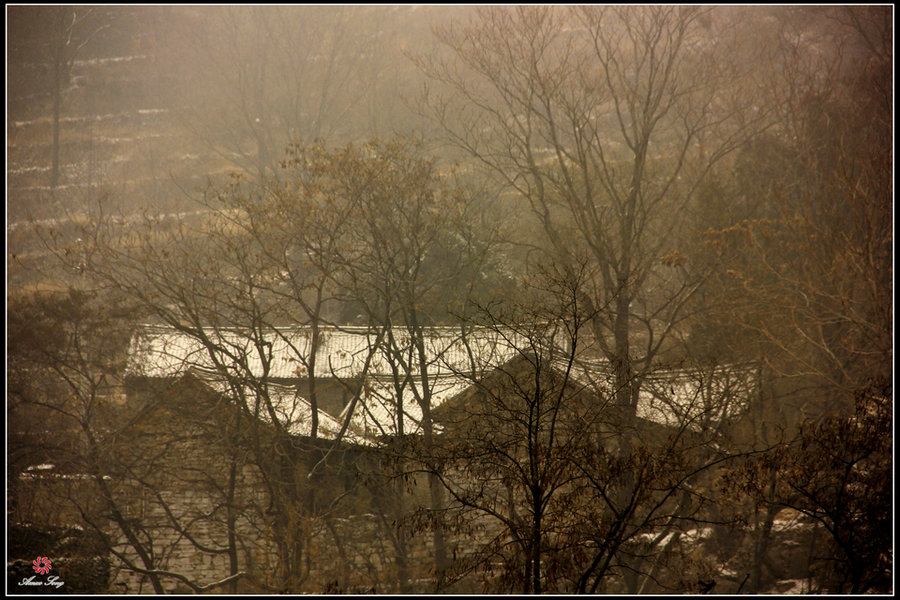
column 231, row 521
column 622, row 359
column 58, row 67
column 761, row 547
column 343, row 579
column 436, row 498
column 536, row 550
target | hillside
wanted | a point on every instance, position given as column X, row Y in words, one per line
column 155, row 103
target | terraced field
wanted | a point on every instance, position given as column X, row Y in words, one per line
column 143, row 124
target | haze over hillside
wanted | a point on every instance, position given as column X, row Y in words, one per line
column 512, row 299
column 157, row 102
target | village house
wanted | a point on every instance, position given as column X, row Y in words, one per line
column 189, row 468
column 183, row 399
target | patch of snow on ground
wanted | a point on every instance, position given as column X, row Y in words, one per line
column 786, row 520
column 799, row 586
column 103, row 61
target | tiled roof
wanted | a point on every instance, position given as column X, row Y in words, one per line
column 376, row 414
column 284, row 353
column 669, row 397
column 679, row 396
column 162, row 352
column 675, row 397
column 294, row 411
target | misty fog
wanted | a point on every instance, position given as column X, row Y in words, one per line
column 450, row 299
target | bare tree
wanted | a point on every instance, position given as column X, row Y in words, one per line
column 805, row 281
column 415, row 248
column 604, row 121
column 70, row 366
column 561, row 493
column 217, row 291
column 805, row 278
column 56, row 35
column 838, row 473
column 277, row 75
column 374, row 225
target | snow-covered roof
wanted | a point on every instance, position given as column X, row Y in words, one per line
column 376, row 413
column 294, row 412
column 675, row 396
column 670, row 397
column 284, row 353
column 695, row 396
column 345, row 353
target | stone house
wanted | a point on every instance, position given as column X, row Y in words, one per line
column 190, row 477
column 191, row 466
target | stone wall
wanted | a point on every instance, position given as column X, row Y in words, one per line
column 353, row 554
column 173, row 550
column 184, row 460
